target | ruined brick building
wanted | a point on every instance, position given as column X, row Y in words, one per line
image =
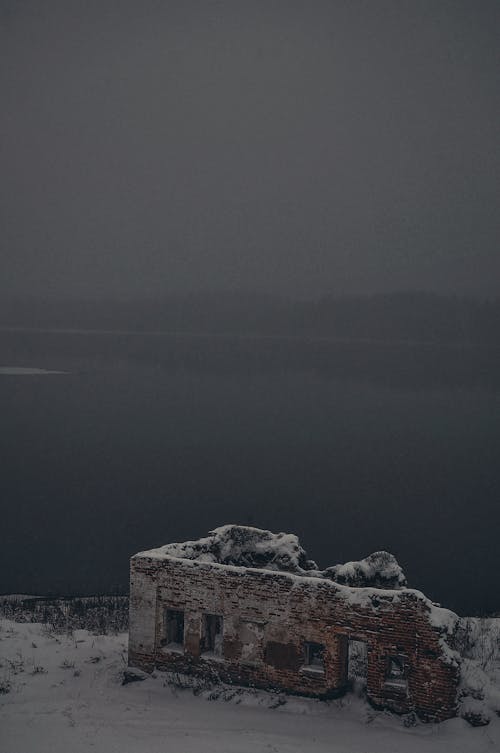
column 246, row 606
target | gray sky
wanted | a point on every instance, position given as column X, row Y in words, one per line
column 301, row 148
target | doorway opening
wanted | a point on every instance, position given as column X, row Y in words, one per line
column 357, row 665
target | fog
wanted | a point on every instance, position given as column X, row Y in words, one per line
column 283, row 147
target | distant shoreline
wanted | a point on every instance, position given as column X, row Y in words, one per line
column 247, row 336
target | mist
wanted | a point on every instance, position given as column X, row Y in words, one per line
column 287, row 148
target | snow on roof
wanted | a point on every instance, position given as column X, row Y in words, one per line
column 245, row 546
column 380, row 570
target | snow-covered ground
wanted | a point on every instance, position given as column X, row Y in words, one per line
column 65, row 695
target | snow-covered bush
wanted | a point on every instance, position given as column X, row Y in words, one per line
column 478, row 640
column 478, row 697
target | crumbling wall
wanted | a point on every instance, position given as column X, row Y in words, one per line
column 268, row 616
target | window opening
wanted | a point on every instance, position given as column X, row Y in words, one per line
column 314, row 656
column 174, row 629
column 396, row 671
column 251, row 635
column 212, row 634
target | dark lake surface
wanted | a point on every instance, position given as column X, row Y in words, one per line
column 156, row 438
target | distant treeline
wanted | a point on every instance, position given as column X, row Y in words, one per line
column 406, row 316
column 97, row 614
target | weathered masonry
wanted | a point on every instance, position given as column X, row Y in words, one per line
column 246, row 606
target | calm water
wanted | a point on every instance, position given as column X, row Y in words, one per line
column 155, row 439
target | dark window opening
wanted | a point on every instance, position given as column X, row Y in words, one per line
column 314, row 656
column 212, row 634
column 396, row 670
column 174, row 628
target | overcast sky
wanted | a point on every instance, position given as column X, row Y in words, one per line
column 302, row 148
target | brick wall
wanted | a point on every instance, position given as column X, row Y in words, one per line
column 267, row 618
